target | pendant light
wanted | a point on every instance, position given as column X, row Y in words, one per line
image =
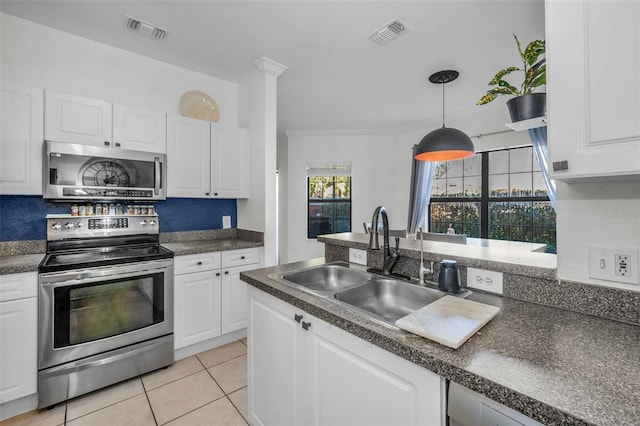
column 445, row 143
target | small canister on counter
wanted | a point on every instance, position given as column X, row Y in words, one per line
column 82, row 210
column 112, row 209
column 143, row 210
column 136, row 209
column 119, row 209
column 130, row 209
column 98, row 209
column 89, row 208
column 74, row 210
column 151, row 209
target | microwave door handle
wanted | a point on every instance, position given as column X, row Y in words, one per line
column 156, row 188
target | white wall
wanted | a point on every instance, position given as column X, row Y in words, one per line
column 37, row 56
column 605, row 214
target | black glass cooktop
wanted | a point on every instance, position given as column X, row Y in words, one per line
column 102, row 256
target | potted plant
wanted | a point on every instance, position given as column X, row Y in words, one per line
column 526, row 103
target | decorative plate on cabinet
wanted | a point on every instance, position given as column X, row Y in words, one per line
column 197, row 104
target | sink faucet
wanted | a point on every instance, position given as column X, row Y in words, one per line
column 422, row 268
column 390, row 258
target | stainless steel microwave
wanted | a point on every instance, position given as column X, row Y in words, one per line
column 84, row 172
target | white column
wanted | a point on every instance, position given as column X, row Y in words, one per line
column 258, row 95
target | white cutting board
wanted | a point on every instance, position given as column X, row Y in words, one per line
column 449, row 320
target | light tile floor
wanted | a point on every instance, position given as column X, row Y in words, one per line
column 209, row 388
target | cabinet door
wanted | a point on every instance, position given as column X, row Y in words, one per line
column 235, row 301
column 22, row 132
column 593, row 90
column 74, row 119
column 197, row 308
column 188, row 157
column 18, row 351
column 139, row 129
column 351, row 381
column 275, row 362
column 230, row 162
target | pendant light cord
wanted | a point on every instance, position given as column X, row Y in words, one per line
column 443, row 104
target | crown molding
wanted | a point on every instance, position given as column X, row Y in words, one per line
column 269, row 66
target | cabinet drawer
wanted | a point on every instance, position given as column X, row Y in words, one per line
column 18, row 286
column 240, row 257
column 196, row 263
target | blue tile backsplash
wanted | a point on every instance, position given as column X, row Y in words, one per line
column 22, row 217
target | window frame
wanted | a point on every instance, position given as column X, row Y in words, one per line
column 485, row 200
column 335, row 201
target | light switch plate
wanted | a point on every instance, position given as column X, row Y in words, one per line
column 226, row 222
column 358, row 256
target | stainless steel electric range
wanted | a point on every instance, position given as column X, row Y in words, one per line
column 105, row 304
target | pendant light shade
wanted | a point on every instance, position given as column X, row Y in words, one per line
column 445, row 143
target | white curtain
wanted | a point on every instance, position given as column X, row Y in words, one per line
column 422, row 174
column 538, row 138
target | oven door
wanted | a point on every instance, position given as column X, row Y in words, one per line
column 90, row 311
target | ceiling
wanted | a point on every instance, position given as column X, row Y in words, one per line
column 337, row 79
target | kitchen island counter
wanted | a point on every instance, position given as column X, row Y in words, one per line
column 553, row 365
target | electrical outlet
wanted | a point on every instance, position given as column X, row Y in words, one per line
column 358, row 256
column 226, row 222
column 614, row 264
column 622, row 265
column 485, row 280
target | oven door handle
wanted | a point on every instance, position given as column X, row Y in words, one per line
column 158, row 176
column 113, row 357
column 57, row 279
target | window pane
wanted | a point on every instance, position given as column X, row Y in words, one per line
column 454, row 168
column 473, row 165
column 498, row 185
column 464, row 218
column 520, row 184
column 439, row 188
column 454, row 187
column 329, row 205
column 498, row 162
column 520, row 160
column 473, row 186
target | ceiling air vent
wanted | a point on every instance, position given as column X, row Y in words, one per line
column 146, row 29
column 388, row 32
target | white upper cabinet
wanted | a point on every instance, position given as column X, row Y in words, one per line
column 206, row 160
column 75, row 119
column 230, row 162
column 593, row 88
column 188, row 157
column 22, row 133
column 138, row 129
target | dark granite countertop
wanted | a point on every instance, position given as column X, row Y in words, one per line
column 553, row 365
column 204, row 246
column 20, row 263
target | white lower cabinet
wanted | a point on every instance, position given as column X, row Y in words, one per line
column 210, row 300
column 198, row 319
column 19, row 331
column 304, row 371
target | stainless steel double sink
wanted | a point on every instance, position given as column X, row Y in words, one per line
column 377, row 297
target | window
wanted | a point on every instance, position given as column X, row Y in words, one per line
column 499, row 195
column 328, row 199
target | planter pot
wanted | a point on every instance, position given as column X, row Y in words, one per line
column 528, row 106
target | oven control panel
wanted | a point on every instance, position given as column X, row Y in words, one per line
column 62, row 227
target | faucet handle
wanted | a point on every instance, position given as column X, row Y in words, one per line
column 397, row 243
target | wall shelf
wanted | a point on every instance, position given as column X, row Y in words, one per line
column 528, row 124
